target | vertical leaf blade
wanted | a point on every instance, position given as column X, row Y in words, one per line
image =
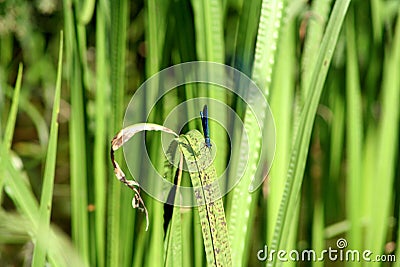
column 300, row 147
column 41, row 248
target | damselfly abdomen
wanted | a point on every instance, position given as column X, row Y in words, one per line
column 204, row 123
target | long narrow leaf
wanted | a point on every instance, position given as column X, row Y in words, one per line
column 387, row 142
column 9, row 132
column 354, row 137
column 208, row 197
column 99, row 166
column 117, row 242
column 41, row 248
column 243, row 202
column 300, row 147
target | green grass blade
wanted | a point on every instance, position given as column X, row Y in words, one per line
column 18, row 190
column 199, row 259
column 87, row 11
column 243, row 202
column 174, row 237
column 387, row 144
column 119, row 200
column 369, row 179
column 9, row 131
column 156, row 209
column 244, row 54
column 211, row 212
column 281, row 101
column 318, row 240
column 99, row 165
column 34, row 114
column 155, row 33
column 209, row 31
column 188, row 259
column 173, row 240
column 300, row 147
column 246, row 35
column 39, row 253
column 210, row 46
column 354, row 131
column 271, row 19
column 10, row 126
column 376, row 16
column 75, row 47
column 60, row 251
column 336, row 149
column 316, row 23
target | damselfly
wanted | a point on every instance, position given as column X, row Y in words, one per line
column 204, row 123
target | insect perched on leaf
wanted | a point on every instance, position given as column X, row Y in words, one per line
column 204, row 123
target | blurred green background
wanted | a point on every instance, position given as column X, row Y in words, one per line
column 330, row 74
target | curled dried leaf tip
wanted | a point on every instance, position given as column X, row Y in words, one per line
column 119, row 140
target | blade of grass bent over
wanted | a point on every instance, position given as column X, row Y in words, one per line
column 119, row 140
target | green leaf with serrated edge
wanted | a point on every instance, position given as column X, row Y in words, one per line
column 208, row 196
column 243, row 201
